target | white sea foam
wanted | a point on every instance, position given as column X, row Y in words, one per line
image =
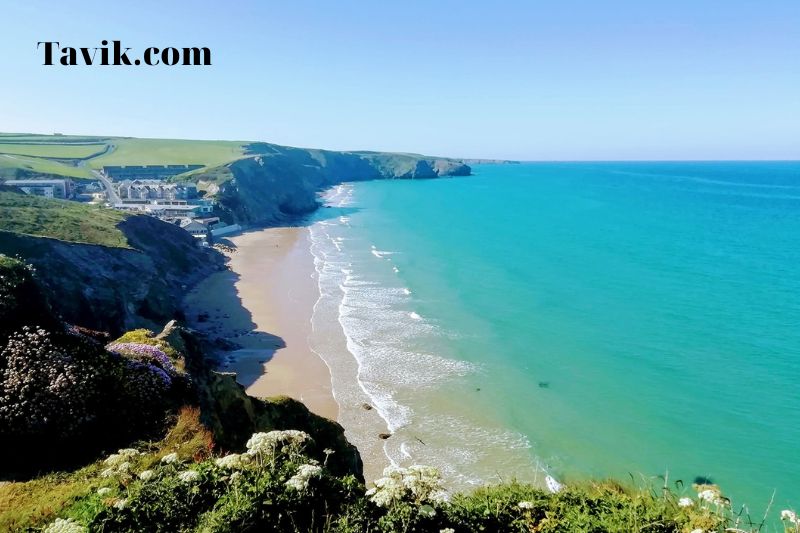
column 384, row 337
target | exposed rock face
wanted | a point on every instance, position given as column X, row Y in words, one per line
column 278, row 183
column 235, row 416
column 114, row 289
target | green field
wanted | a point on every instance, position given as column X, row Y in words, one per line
column 55, row 151
column 60, row 219
column 39, row 153
column 10, row 163
column 169, row 152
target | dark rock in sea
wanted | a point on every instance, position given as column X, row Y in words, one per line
column 366, row 406
column 384, row 436
column 544, row 384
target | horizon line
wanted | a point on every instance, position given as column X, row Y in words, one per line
column 498, row 159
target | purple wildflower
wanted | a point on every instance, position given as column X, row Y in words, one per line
column 144, row 353
column 147, row 375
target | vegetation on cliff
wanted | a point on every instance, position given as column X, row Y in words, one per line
column 61, row 384
column 60, row 219
column 102, row 269
column 276, row 183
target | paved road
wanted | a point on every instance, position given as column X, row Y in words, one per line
column 111, row 194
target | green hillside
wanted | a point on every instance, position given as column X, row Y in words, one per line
column 28, row 155
column 19, row 166
column 59, row 219
column 130, row 151
column 55, row 151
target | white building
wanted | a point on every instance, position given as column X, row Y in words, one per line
column 162, row 210
column 155, row 190
column 48, row 188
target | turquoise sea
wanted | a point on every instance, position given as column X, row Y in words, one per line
column 589, row 319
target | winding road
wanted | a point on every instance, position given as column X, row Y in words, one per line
column 111, row 194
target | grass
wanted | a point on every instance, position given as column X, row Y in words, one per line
column 10, row 163
column 169, row 151
column 35, row 138
column 37, row 502
column 60, row 219
column 30, row 153
column 41, row 500
column 54, row 151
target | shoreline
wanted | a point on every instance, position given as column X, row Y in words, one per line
column 278, row 317
column 263, row 305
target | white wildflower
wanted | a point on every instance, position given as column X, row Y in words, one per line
column 121, row 503
column 447, row 530
column 790, row 516
column 122, row 456
column 235, row 477
column 685, row 502
column 124, row 467
column 328, row 451
column 233, row 461
column 129, row 452
column 104, row 491
column 147, row 475
column 707, row 495
column 64, row 526
column 710, row 493
column 170, row 458
column 387, row 490
column 269, row 443
column 108, row 472
column 423, row 483
column 189, row 476
column 697, row 530
column 300, row 480
column 525, row 505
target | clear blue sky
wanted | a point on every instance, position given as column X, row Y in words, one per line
column 677, row 79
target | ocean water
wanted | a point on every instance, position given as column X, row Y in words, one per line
column 584, row 319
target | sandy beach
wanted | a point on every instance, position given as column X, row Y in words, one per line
column 264, row 304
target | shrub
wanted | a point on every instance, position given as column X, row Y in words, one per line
column 64, row 385
column 275, row 486
column 51, row 388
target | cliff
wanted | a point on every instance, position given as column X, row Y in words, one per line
column 276, row 182
column 116, row 288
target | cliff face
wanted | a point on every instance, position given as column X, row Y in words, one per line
column 114, row 289
column 234, row 416
column 278, row 182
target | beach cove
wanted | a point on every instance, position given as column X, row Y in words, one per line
column 264, row 305
column 557, row 330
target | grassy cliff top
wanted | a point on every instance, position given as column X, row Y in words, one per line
column 76, row 156
column 24, row 155
column 60, row 219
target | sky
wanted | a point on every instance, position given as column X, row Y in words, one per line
column 529, row 80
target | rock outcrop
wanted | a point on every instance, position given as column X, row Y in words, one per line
column 233, row 416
